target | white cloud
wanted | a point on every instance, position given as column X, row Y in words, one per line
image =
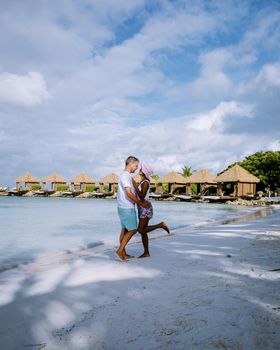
column 111, row 9
column 214, row 79
column 216, row 118
column 119, row 74
column 199, row 141
column 267, row 80
column 269, row 75
column 128, row 69
column 263, row 32
column 23, row 90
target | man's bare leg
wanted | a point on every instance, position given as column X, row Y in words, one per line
column 126, row 238
column 123, row 232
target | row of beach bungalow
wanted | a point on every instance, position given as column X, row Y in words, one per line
column 235, row 181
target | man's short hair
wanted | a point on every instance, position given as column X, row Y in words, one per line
column 131, row 159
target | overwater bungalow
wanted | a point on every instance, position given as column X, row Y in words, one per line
column 236, row 182
column 203, row 179
column 29, row 180
column 174, row 182
column 153, row 183
column 55, row 180
column 111, row 181
column 82, row 182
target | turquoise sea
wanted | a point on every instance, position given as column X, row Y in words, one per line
column 32, row 226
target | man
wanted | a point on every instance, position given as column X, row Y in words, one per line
column 126, row 199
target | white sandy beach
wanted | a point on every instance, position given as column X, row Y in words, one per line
column 209, row 288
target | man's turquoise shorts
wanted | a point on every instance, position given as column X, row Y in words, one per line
column 128, row 218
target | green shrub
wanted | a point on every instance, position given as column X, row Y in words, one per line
column 106, row 188
column 62, row 188
column 165, row 189
column 91, row 188
column 193, row 189
column 265, row 165
column 36, row 187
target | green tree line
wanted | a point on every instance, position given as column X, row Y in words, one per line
column 265, row 165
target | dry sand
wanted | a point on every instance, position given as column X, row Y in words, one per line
column 209, row 288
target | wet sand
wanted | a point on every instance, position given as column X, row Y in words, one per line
column 214, row 287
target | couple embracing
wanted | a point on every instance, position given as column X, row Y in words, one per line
column 129, row 195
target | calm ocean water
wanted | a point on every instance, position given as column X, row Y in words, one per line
column 31, row 227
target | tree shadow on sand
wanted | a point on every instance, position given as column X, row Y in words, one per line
column 204, row 289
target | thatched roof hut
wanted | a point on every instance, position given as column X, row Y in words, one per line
column 111, row 180
column 173, row 180
column 202, row 176
column 81, row 181
column 243, row 181
column 28, row 179
column 237, row 173
column 203, row 180
column 83, row 178
column 153, row 181
column 55, row 180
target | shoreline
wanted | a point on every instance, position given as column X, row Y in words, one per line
column 243, row 201
column 208, row 288
column 98, row 247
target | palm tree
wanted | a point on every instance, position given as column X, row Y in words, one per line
column 186, row 171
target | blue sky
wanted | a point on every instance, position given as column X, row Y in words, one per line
column 84, row 84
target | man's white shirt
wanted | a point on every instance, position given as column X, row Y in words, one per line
column 124, row 201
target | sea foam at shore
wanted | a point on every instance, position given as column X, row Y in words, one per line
column 32, row 227
column 210, row 287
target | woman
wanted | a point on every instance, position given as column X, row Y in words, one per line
column 145, row 214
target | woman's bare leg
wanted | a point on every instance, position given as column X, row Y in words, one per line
column 143, row 223
column 155, row 227
column 144, row 228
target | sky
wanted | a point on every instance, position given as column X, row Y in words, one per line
column 84, row 84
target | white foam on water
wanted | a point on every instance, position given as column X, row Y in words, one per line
column 33, row 228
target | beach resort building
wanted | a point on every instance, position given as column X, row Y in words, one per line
column 82, row 182
column 153, row 183
column 203, row 179
column 236, row 182
column 174, row 181
column 111, row 181
column 55, row 180
column 28, row 179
